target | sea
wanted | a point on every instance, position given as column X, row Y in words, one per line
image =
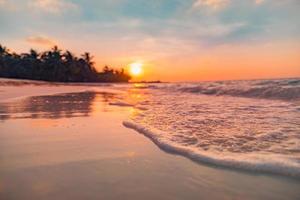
column 251, row 125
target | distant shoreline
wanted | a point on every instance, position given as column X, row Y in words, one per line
column 19, row 81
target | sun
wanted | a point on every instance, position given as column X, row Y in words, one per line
column 136, row 68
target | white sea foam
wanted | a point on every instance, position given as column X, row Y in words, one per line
column 252, row 162
column 223, row 126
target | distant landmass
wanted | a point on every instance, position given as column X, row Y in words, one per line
column 55, row 66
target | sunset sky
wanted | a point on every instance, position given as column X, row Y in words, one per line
column 175, row 40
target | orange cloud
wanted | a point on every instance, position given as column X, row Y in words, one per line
column 257, row 2
column 214, row 4
column 52, row 6
column 40, row 40
column 218, row 4
column 8, row 5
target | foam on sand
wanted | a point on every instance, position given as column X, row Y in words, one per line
column 251, row 162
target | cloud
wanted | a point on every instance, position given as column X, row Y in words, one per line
column 219, row 30
column 218, row 4
column 213, row 4
column 257, row 2
column 40, row 40
column 7, row 5
column 53, row 6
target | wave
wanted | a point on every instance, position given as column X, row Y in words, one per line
column 263, row 92
column 256, row 163
column 267, row 89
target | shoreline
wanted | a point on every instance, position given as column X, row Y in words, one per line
column 94, row 156
column 61, row 89
column 39, row 88
column 228, row 162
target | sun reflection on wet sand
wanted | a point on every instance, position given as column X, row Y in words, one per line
column 58, row 106
column 75, row 147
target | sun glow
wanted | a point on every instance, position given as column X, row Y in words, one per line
column 136, row 68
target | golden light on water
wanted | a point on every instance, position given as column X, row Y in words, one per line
column 136, row 68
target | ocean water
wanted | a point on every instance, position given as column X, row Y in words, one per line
column 67, row 141
column 250, row 125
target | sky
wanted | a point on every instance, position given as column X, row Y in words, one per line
column 175, row 40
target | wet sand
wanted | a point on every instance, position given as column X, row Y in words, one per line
column 73, row 146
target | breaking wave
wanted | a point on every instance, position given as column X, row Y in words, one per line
column 209, row 122
column 256, row 163
column 269, row 89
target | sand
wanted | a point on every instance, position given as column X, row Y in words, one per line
column 54, row 148
column 13, row 89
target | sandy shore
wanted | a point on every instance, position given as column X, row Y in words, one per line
column 13, row 89
column 55, row 147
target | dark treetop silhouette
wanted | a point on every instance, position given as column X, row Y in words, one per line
column 56, row 66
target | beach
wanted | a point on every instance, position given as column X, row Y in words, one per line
column 69, row 142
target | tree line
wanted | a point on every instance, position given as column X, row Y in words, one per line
column 55, row 66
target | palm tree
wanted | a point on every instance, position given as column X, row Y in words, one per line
column 88, row 59
column 54, row 66
column 33, row 54
column 54, row 63
column 56, row 55
column 70, row 66
column 3, row 50
column 69, row 57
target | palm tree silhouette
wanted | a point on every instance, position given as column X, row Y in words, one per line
column 55, row 65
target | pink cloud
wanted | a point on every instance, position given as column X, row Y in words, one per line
column 40, row 40
column 53, row 6
column 213, row 4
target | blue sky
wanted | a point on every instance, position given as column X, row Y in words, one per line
column 118, row 32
